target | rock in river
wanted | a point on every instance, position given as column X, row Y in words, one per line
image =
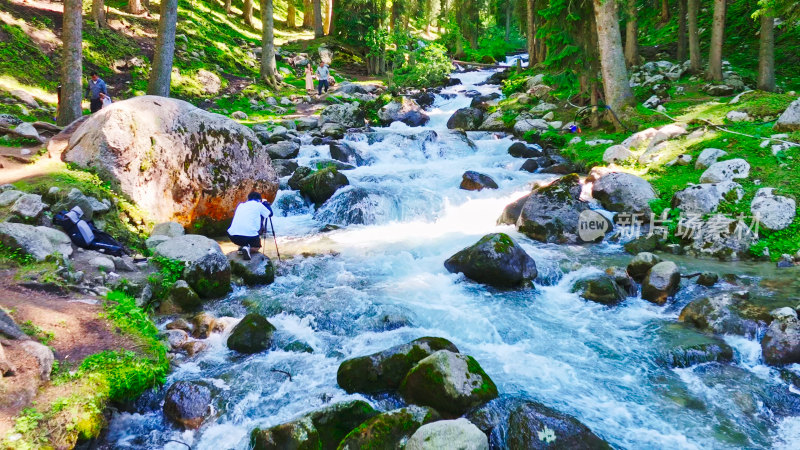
column 624, row 192
column 448, row 434
column 781, row 343
column 383, row 371
column 319, row 186
column 496, row 260
column 389, row 430
column 466, row 119
column 188, row 403
column 661, row 282
column 474, row 181
column 600, row 288
column 252, row 335
column 552, row 212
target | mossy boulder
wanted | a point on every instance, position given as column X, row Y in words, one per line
column 321, row 429
column 450, row 383
column 683, row 346
column 552, row 212
column 496, row 260
column 252, row 334
column 726, row 313
column 600, row 288
column 319, row 186
column 184, row 297
column 209, row 275
column 258, row 270
column 641, row 264
column 532, row 425
column 389, row 430
column 384, row 371
column 299, row 173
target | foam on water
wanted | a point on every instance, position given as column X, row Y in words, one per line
column 382, row 283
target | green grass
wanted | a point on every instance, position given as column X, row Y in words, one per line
column 36, row 332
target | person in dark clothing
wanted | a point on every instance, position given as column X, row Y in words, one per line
column 96, row 92
column 322, row 77
column 247, row 223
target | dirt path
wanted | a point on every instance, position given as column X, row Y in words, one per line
column 77, row 331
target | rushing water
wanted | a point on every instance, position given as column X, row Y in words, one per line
column 379, row 281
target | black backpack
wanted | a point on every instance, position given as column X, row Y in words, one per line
column 85, row 234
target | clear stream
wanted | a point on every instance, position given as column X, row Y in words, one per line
column 380, row 281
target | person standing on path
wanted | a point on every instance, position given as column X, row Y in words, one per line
column 322, row 76
column 309, row 79
column 96, row 92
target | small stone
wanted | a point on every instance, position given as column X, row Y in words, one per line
column 707, row 279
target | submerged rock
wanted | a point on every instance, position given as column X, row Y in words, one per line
column 188, row 403
column 448, row 434
column 450, row 383
column 552, row 212
column 662, row 281
column 385, row 370
column 474, row 181
column 496, row 260
column 725, row 313
column 600, row 288
column 389, row 430
column 252, row 335
column 684, row 347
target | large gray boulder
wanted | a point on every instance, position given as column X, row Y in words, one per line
column 496, row 260
column 552, row 212
column 705, row 198
column 726, row 313
column 385, row 370
column 466, row 119
column 319, row 186
column 201, row 164
column 790, row 119
column 616, row 154
column 624, row 192
column 493, row 122
column 708, row 157
column 9, row 197
column 512, row 211
column 725, row 171
column 661, row 282
column 29, row 206
column 283, row 150
column 258, row 270
column 525, row 125
column 640, row 265
column 600, row 288
column 187, row 248
column 168, row 229
column 722, row 237
column 406, row 111
column 453, row 434
column 38, row 242
column 781, row 343
column 450, row 383
column 774, row 212
column 348, row 115
column 188, row 403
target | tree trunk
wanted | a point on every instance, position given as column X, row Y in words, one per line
column 99, row 13
column 317, row 18
column 247, row 13
column 695, row 59
column 766, row 53
column 329, row 17
column 617, row 91
column 228, row 4
column 135, row 6
column 717, row 35
column 291, row 13
column 308, row 14
column 268, row 66
column 631, row 34
column 508, row 20
column 531, row 25
column 682, row 38
column 395, row 15
column 664, row 11
column 161, row 73
column 69, row 108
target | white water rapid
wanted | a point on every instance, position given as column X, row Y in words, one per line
column 379, row 281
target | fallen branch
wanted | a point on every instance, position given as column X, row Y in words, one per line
column 283, row 372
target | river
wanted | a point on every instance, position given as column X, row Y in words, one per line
column 380, row 282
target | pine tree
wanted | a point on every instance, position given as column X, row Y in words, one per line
column 69, row 108
column 766, row 52
column 269, row 71
column 717, row 36
column 695, row 59
column 161, row 73
column 631, row 34
column 99, row 13
column 618, row 93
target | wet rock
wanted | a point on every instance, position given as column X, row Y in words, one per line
column 38, row 242
column 184, row 297
column 181, row 150
column 298, row 347
column 708, row 157
column 176, row 338
column 643, row 243
column 496, row 260
column 600, row 288
column 284, row 167
column 617, row 154
column 455, row 434
column 425, row 99
column 661, row 282
column 319, row 186
column 523, row 150
column 781, row 343
column 705, row 198
column 641, row 264
column 388, row 430
column 511, row 212
column 169, row 229
column 348, row 115
column 331, row 130
column 725, row 313
column 322, row 429
column 530, row 165
column 202, row 325
column 194, row 347
column 406, row 111
column 623, row 192
column 520, row 423
column 551, row 213
column 252, row 335
column 493, row 122
column 344, row 152
column 259, row 270
column 299, row 173
column 450, row 383
column 789, row 120
column 474, row 181
column 775, row 212
column 707, row 279
column 283, row 150
column 466, row 119
column 384, row 371
column 685, row 347
column 29, row 206
column 179, row 324
column 188, row 404
column 725, row 171
column 209, row 275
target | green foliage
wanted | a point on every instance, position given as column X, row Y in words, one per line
column 15, row 255
column 127, row 373
column 428, row 66
column 36, row 332
column 170, row 271
column 22, row 59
